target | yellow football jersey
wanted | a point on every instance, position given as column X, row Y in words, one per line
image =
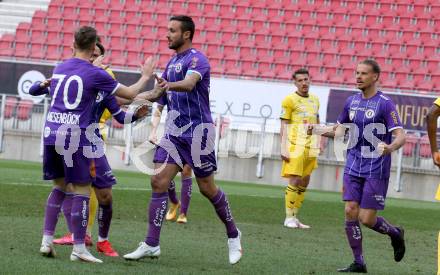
column 437, row 195
column 300, row 111
column 106, row 115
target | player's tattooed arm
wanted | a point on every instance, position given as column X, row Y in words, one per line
column 154, row 94
column 123, row 101
column 431, row 119
column 399, row 140
column 185, row 85
column 147, row 70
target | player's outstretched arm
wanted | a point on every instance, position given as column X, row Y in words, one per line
column 40, row 88
column 324, row 130
column 153, row 95
column 120, row 115
column 431, row 119
column 132, row 91
column 185, row 85
column 123, row 101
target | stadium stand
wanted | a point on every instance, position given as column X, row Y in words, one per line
column 255, row 39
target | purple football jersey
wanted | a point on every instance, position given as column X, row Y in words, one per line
column 192, row 107
column 74, row 87
column 375, row 118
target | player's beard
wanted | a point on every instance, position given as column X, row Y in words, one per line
column 177, row 44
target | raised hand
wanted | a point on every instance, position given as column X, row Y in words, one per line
column 147, row 69
column 45, row 83
column 436, row 158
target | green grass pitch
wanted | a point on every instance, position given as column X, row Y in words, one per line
column 200, row 246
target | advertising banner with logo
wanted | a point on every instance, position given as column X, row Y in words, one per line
column 412, row 109
column 16, row 77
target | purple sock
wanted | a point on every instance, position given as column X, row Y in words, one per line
column 221, row 205
column 79, row 217
column 53, row 208
column 354, row 236
column 105, row 213
column 172, row 193
column 185, row 195
column 383, row 227
column 67, row 209
column 157, row 208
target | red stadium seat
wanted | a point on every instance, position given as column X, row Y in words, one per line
column 278, row 31
column 22, row 50
column 7, row 45
column 38, row 51
column 10, row 106
column 425, row 148
column 410, row 145
column 24, row 109
column 54, row 52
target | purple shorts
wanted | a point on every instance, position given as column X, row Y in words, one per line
column 181, row 151
column 77, row 170
column 369, row 193
column 104, row 175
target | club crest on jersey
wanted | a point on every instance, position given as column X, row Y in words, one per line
column 369, row 113
column 178, row 67
column 351, row 114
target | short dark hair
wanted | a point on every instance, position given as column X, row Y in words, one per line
column 187, row 24
column 300, row 71
column 373, row 64
column 85, row 37
column 101, row 47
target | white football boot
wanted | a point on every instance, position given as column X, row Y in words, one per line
column 47, row 250
column 83, row 255
column 235, row 251
column 293, row 222
column 143, row 250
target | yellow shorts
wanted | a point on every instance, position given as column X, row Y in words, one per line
column 302, row 162
column 437, row 195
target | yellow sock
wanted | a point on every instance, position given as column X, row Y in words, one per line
column 93, row 206
column 438, row 254
column 290, row 199
column 301, row 193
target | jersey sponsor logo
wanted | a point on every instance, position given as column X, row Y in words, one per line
column 372, row 104
column 369, row 113
column 46, row 132
column 63, row 118
column 356, row 101
column 351, row 114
